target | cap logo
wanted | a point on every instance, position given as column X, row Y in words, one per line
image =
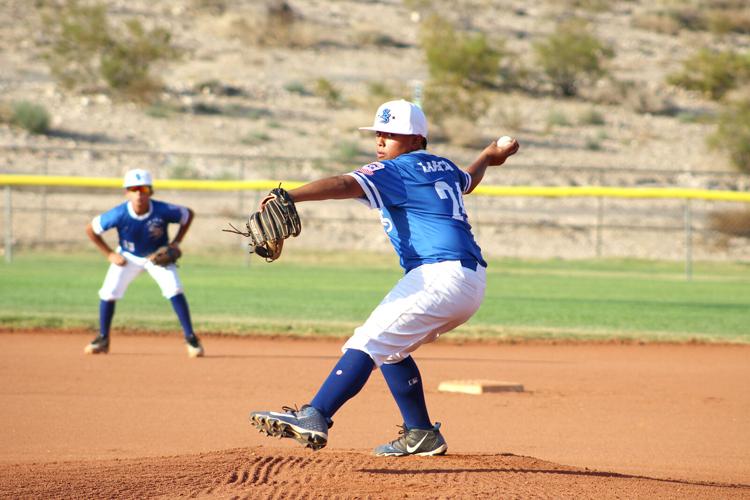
column 385, row 116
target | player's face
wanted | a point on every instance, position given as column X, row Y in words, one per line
column 139, row 197
column 389, row 146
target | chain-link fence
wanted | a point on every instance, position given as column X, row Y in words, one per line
column 527, row 227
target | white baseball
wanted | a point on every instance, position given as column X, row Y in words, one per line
column 506, row 139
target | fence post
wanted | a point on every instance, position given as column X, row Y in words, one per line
column 43, row 222
column 8, row 226
column 688, row 241
column 599, row 220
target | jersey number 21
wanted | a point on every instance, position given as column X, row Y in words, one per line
column 445, row 191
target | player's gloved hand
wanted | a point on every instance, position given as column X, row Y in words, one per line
column 116, row 259
column 166, row 255
column 275, row 221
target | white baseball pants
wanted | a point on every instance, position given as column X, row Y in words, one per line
column 428, row 301
column 118, row 278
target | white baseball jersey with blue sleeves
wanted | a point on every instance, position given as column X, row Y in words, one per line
column 139, row 236
column 420, row 198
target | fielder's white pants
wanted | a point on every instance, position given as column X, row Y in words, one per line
column 428, row 301
column 118, row 278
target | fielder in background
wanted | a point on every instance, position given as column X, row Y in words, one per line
column 419, row 197
column 141, row 224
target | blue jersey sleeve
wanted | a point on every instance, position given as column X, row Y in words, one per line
column 109, row 219
column 176, row 214
column 382, row 184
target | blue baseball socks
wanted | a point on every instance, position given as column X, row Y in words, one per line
column 405, row 384
column 180, row 306
column 106, row 313
column 346, row 379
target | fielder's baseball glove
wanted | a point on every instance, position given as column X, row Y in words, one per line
column 163, row 256
column 267, row 228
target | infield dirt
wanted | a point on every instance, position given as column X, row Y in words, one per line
column 596, row 421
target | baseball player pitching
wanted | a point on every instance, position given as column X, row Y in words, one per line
column 419, row 196
column 141, row 224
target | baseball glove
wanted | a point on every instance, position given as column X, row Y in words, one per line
column 267, row 228
column 163, row 256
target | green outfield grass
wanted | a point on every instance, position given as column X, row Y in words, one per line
column 331, row 294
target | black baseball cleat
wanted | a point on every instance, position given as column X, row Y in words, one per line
column 421, row 442
column 100, row 345
column 307, row 425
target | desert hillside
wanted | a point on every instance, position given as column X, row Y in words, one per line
column 284, row 101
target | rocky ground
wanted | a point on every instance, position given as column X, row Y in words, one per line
column 265, row 103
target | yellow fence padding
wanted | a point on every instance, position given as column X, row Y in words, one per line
column 264, row 185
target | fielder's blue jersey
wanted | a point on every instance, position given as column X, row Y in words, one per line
column 141, row 235
column 420, row 198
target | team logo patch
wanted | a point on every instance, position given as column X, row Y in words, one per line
column 371, row 168
column 385, row 116
column 155, row 228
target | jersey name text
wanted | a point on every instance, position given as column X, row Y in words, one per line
column 435, row 166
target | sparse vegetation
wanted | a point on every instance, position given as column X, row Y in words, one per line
column 160, row 109
column 716, row 16
column 591, row 116
column 30, row 116
column 733, row 134
column 328, row 91
column 255, row 138
column 86, row 51
column 278, row 25
column 713, row 73
column 461, row 67
column 296, row 87
column 572, row 56
column 556, row 118
column 731, row 222
column 182, row 168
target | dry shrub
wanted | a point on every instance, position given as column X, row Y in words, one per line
column 86, row 50
column 636, row 96
column 729, row 21
column 733, row 133
column 717, row 16
column 276, row 25
column 657, row 22
column 572, row 56
column 731, row 222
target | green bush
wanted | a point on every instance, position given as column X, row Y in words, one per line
column 591, row 116
column 328, row 91
column 571, row 56
column 461, row 66
column 713, row 73
column 557, row 118
column 733, row 134
column 86, row 51
column 30, row 116
column 295, row 87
